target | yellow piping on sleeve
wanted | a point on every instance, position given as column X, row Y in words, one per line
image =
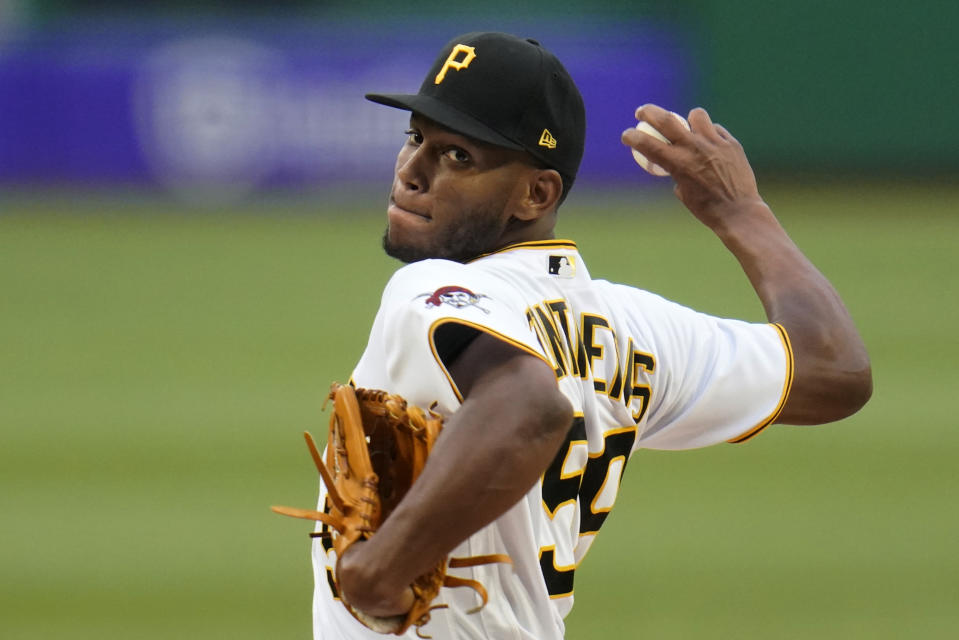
column 787, row 386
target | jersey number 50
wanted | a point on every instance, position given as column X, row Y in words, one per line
column 592, row 480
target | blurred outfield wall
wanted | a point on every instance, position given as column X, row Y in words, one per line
column 223, row 108
column 218, row 103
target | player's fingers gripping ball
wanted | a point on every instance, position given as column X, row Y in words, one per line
column 648, row 129
column 377, row 447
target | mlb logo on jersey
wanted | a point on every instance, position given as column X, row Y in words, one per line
column 562, row 266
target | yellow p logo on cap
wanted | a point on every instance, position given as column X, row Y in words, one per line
column 453, row 63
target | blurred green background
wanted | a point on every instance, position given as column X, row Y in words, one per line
column 158, row 362
column 159, row 368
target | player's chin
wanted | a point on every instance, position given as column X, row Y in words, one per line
column 396, row 247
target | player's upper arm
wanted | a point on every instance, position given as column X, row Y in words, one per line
column 513, row 381
column 714, row 380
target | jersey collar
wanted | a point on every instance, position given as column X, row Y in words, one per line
column 532, row 244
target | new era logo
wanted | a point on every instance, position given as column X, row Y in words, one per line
column 547, row 140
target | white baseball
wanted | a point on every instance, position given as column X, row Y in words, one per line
column 643, row 161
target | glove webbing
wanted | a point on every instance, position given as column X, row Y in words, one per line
column 331, row 493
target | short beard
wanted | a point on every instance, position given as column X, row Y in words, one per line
column 477, row 234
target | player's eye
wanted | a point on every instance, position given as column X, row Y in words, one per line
column 414, row 136
column 458, row 155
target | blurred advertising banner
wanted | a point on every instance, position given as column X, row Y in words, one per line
column 227, row 111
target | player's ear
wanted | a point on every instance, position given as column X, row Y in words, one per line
column 544, row 189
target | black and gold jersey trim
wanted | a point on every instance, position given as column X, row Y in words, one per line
column 478, row 327
column 533, row 244
column 787, row 386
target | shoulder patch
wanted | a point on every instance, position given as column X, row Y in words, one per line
column 455, row 296
column 562, row 266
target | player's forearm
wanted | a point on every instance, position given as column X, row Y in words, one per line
column 465, row 486
column 491, row 452
column 832, row 377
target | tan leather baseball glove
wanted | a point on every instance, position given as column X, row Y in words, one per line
column 377, row 447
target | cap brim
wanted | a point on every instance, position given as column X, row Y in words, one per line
column 445, row 115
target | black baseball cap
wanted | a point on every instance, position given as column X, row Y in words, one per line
column 504, row 90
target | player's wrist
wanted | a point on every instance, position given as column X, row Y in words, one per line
column 372, row 591
column 385, row 604
column 384, row 610
column 739, row 220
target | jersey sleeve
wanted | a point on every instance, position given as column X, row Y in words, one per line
column 716, row 379
column 431, row 310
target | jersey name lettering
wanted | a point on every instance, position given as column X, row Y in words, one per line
column 590, row 349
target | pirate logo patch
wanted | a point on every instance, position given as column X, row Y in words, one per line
column 457, row 297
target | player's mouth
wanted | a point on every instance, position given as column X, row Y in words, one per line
column 398, row 211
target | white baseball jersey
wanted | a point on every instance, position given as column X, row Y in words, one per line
column 639, row 371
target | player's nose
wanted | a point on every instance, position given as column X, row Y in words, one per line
column 411, row 170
